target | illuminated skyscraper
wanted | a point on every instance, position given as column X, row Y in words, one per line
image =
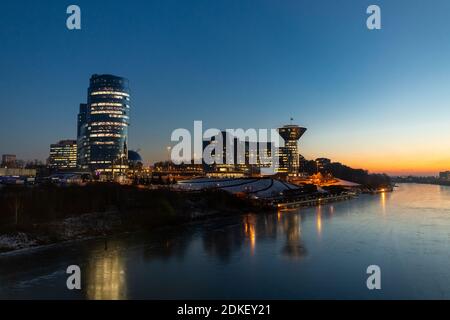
column 103, row 125
column 289, row 155
column 63, row 155
column 82, row 141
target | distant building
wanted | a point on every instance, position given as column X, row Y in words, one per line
column 63, row 155
column 69, row 178
column 135, row 162
column 302, row 165
column 177, row 171
column 444, row 175
column 322, row 163
column 9, row 160
column 103, row 125
column 82, row 138
column 234, row 164
column 134, row 158
column 288, row 156
column 14, row 172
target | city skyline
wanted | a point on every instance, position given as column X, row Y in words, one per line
column 219, row 157
column 376, row 101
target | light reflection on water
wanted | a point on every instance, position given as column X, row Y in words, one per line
column 249, row 229
column 317, row 252
column 106, row 277
column 319, row 219
column 383, row 202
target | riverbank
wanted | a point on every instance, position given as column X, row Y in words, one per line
column 422, row 180
column 38, row 216
column 45, row 215
column 308, row 201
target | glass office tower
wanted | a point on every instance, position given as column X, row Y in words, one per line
column 82, row 141
column 103, row 125
column 63, row 155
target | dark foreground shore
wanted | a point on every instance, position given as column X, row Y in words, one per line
column 43, row 215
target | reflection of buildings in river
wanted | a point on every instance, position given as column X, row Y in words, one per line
column 383, row 202
column 323, row 212
column 105, row 277
column 331, row 210
column 292, row 228
column 264, row 225
column 268, row 226
column 171, row 243
column 222, row 242
column 319, row 220
column 250, row 230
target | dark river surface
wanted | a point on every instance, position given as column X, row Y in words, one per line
column 311, row 253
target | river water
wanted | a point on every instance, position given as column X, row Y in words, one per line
column 311, row 253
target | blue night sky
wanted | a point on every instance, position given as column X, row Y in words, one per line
column 373, row 99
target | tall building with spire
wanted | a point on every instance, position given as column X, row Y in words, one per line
column 288, row 156
column 102, row 141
